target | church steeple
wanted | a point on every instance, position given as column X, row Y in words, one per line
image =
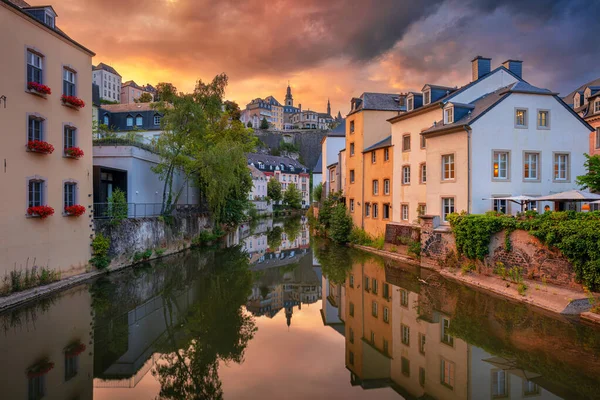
column 289, row 100
column 328, row 107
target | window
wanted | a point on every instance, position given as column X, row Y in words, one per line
column 500, row 165
column 561, row 167
column 501, row 206
column 351, row 149
column 157, row 120
column 405, row 366
column 598, row 136
column 422, row 343
column 351, row 309
column 375, row 310
column 597, row 106
column 447, row 373
column 530, row 161
column 373, row 157
column 426, row 97
column 129, row 121
column 521, row 118
column 36, row 387
column 351, row 126
column 405, row 212
column 543, row 119
column 423, row 173
column 446, row 338
column 406, row 143
column 372, row 337
column 69, row 137
column 70, row 193
column 530, row 388
column 447, row 167
column 68, row 82
column 386, row 186
column 386, row 347
column 36, row 128
column 351, row 358
column 375, row 187
column 447, row 207
column 449, row 115
column 36, row 193
column 422, row 209
column 367, row 209
column 386, row 154
column 71, row 366
column 106, row 120
column 403, row 298
column 422, row 376
column 386, row 211
column 386, row 314
column 35, row 66
column 49, row 19
column 351, row 335
column 351, row 205
column 423, row 142
column 499, row 384
column 386, row 291
column 366, row 284
column 405, row 330
column 375, row 210
column 375, row 286
column 406, row 175
column 410, row 103
column 139, row 120
column 351, row 281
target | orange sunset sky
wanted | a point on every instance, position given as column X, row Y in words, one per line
column 333, row 49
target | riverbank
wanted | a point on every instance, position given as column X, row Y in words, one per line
column 548, row 297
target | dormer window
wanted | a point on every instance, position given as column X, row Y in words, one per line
column 129, row 121
column 449, row 115
column 139, row 120
column 49, row 20
column 597, row 106
column 410, row 104
column 427, row 97
column 576, row 100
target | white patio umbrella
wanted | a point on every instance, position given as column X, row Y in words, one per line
column 571, row 195
column 520, row 200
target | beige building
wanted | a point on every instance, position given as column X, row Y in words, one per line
column 131, row 91
column 38, row 58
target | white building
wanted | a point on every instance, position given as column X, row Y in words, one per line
column 258, row 194
column 331, row 145
column 109, row 81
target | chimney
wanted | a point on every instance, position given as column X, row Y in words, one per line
column 300, row 106
column 514, row 66
column 481, row 66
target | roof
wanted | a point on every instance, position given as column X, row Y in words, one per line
column 332, row 164
column 132, row 83
column 273, row 160
column 130, row 107
column 387, row 142
column 106, row 68
column 255, row 172
column 379, row 102
column 569, row 98
column 318, row 169
column 339, row 130
column 524, row 87
column 22, row 6
column 438, row 87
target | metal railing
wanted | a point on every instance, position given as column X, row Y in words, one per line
column 142, row 210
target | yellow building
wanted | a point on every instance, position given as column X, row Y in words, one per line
column 44, row 135
column 366, row 125
column 379, row 167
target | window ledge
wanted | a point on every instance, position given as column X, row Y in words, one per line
column 70, row 106
column 72, row 157
column 448, row 181
column 36, row 93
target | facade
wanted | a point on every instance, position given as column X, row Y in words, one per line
column 258, row 194
column 276, row 113
column 109, row 81
column 131, row 91
column 586, row 102
column 378, row 162
column 366, row 125
column 42, row 56
column 139, row 119
column 305, row 120
column 257, row 110
column 317, row 173
column 285, row 170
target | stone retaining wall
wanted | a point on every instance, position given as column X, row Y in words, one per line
column 400, row 233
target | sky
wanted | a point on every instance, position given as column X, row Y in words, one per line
column 335, row 49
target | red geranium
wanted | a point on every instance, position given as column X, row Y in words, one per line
column 39, row 146
column 42, row 368
column 75, row 350
column 38, row 87
column 40, row 211
column 72, row 100
column 74, row 152
column 75, row 210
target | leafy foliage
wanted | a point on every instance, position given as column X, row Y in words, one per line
column 318, row 192
column 274, row 190
column 292, row 227
column 473, row 232
column 292, row 196
column 100, row 247
column 340, row 225
column 117, row 209
column 264, row 124
column 274, row 237
column 144, row 98
column 592, row 179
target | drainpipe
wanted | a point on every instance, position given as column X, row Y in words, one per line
column 469, row 180
column 362, row 214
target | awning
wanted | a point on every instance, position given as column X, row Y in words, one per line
column 571, row 195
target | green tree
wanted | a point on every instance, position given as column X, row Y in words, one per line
column 165, row 91
column 117, row 209
column 292, row 227
column 144, row 98
column 318, row 192
column 264, row 124
column 591, row 180
column 232, row 108
column 249, row 124
column 274, row 237
column 341, row 224
column 292, row 196
column 274, row 190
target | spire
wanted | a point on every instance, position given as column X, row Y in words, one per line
column 289, row 100
column 328, row 107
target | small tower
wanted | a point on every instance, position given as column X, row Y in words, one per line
column 289, row 100
column 328, row 107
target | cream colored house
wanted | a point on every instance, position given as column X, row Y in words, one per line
column 37, row 56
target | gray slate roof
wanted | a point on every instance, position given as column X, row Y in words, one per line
column 379, row 102
column 338, row 131
column 524, row 87
column 106, row 68
column 272, row 160
column 318, row 169
column 569, row 98
column 387, row 142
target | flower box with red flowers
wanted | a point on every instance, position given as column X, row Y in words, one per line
column 74, row 350
column 73, row 152
column 41, row 368
column 75, row 210
column 72, row 101
column 39, row 88
column 39, row 146
column 40, row 211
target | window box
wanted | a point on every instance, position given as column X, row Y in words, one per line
column 40, row 212
column 72, row 101
column 38, row 89
column 76, row 210
column 39, row 146
column 74, row 350
column 39, row 369
column 73, row 152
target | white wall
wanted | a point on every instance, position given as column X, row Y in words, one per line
column 490, row 84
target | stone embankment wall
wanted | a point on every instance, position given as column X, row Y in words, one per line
column 308, row 142
column 399, row 233
column 140, row 234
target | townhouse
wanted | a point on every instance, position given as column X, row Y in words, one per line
column 586, row 102
column 331, row 145
column 47, row 145
column 131, row 91
column 109, row 81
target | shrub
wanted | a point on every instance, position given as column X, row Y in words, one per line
column 207, row 237
column 117, row 209
column 522, row 288
column 100, row 247
column 341, row 224
column 159, row 252
column 474, row 232
column 360, row 236
column 379, row 242
column 414, row 248
column 466, row 268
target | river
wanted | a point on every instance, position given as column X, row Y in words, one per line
column 281, row 315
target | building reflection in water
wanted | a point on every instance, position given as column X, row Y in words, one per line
column 400, row 326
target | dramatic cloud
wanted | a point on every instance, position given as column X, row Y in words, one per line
column 334, row 48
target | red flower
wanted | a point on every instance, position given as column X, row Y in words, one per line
column 40, row 146
column 75, row 210
column 40, row 369
column 40, row 211
column 72, row 100
column 74, row 152
column 75, row 350
column 38, row 87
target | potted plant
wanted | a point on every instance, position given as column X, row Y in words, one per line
column 40, row 368
column 38, row 88
column 74, row 349
column 73, row 152
column 72, row 101
column 40, row 211
column 39, row 146
column 75, row 210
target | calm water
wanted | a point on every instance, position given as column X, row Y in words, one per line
column 281, row 316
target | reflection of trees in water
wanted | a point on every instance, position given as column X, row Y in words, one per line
column 292, row 227
column 274, row 237
column 214, row 329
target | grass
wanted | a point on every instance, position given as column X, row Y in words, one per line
column 522, row 288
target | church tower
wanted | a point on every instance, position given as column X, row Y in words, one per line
column 328, row 107
column 289, row 100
